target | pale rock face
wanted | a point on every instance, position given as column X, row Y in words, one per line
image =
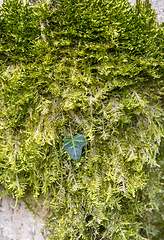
column 18, row 222
column 158, row 6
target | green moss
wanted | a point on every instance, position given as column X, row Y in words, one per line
column 99, row 63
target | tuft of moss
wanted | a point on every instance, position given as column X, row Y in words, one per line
column 99, row 63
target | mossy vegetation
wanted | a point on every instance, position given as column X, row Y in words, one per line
column 98, row 63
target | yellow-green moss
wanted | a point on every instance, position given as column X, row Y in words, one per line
column 96, row 62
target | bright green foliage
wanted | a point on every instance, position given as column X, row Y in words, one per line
column 74, row 146
column 99, row 62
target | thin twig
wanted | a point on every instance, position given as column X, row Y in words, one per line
column 70, row 129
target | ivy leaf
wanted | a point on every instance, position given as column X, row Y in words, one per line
column 74, row 146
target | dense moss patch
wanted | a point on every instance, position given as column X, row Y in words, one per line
column 99, row 64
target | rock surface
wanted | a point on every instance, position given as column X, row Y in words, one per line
column 158, row 6
column 18, row 222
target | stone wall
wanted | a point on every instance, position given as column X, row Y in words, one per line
column 20, row 223
column 158, row 5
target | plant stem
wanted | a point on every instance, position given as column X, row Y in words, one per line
column 70, row 129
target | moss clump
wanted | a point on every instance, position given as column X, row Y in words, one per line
column 99, row 64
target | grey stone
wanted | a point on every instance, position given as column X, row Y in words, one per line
column 158, row 6
column 20, row 223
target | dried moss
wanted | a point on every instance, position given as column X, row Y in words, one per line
column 99, row 63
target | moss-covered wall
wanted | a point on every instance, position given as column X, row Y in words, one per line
column 158, row 6
column 98, row 65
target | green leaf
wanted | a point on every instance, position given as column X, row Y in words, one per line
column 74, row 146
